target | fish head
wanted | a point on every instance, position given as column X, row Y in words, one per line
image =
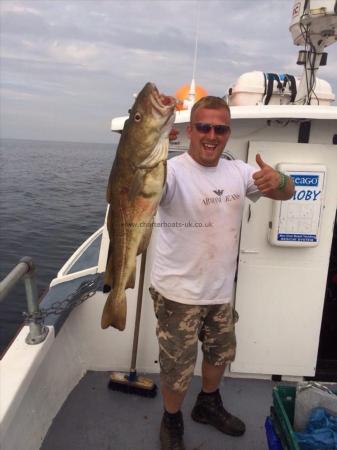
column 150, row 121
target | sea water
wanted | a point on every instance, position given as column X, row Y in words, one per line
column 52, row 198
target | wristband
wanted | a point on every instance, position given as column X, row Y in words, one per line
column 283, row 181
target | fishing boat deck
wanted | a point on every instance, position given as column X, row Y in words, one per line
column 94, row 417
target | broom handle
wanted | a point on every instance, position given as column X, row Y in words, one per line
column 138, row 312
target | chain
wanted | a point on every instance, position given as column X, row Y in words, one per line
column 85, row 290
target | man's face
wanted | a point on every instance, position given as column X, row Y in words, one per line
column 206, row 147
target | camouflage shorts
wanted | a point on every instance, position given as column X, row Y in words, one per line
column 180, row 326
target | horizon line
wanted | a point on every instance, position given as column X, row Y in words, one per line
column 55, row 140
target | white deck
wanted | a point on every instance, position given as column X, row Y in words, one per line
column 94, row 417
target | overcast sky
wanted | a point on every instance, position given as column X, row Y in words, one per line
column 68, row 67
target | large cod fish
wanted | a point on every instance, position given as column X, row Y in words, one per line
column 134, row 190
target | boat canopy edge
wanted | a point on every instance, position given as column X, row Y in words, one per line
column 257, row 112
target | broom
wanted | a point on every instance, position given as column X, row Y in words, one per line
column 132, row 383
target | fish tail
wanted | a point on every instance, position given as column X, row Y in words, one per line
column 114, row 312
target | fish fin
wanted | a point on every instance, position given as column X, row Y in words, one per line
column 137, row 183
column 132, row 280
column 106, row 288
column 144, row 243
column 165, row 172
column 114, row 312
column 108, row 274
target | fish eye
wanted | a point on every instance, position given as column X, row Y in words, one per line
column 137, row 117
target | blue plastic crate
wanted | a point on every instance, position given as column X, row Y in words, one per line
column 272, row 439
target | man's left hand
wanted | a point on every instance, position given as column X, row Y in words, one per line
column 267, row 179
column 271, row 183
column 173, row 134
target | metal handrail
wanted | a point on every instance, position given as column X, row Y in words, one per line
column 26, row 270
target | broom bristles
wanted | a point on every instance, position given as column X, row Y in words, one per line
column 142, row 386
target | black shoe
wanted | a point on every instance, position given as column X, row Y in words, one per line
column 171, row 432
column 209, row 409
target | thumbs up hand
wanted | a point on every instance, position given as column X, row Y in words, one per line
column 266, row 179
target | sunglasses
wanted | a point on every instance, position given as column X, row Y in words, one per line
column 205, row 128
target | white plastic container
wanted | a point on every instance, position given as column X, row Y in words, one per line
column 309, row 396
column 250, row 89
column 320, row 14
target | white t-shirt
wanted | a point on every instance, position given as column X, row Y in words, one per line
column 198, row 228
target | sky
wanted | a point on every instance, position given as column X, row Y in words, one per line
column 69, row 67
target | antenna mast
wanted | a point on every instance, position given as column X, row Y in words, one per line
column 189, row 102
column 314, row 25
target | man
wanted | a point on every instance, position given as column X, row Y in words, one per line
column 195, row 263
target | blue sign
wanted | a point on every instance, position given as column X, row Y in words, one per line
column 297, row 237
column 305, row 180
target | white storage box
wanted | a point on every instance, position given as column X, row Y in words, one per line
column 309, row 396
column 251, row 89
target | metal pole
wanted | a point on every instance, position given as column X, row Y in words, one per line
column 138, row 312
column 311, row 66
column 37, row 331
column 7, row 284
column 26, row 270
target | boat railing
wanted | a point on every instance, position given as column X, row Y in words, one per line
column 25, row 270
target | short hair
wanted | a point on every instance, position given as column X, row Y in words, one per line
column 210, row 102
